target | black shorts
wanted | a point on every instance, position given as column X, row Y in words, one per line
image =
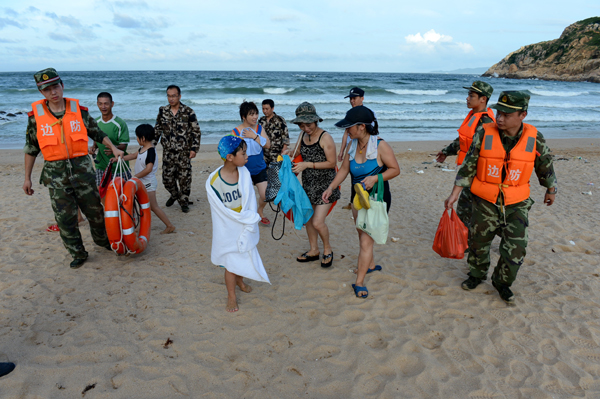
column 259, row 177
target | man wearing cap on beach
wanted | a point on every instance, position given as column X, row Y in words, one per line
column 178, row 131
column 59, row 128
column 477, row 100
column 497, row 168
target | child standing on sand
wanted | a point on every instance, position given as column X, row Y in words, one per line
column 235, row 220
column 145, row 168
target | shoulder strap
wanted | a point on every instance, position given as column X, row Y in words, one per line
column 322, row 133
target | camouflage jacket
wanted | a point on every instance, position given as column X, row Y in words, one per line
column 63, row 174
column 452, row 148
column 544, row 168
column 277, row 132
column 179, row 132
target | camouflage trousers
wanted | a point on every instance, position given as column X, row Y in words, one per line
column 464, row 206
column 65, row 202
column 487, row 222
column 177, row 170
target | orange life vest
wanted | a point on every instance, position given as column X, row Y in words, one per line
column 466, row 131
column 63, row 138
column 493, row 160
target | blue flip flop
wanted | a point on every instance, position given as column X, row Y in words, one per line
column 357, row 289
column 376, row 269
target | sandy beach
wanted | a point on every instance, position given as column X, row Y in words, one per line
column 154, row 325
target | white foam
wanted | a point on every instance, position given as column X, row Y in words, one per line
column 549, row 93
column 403, row 92
column 277, row 90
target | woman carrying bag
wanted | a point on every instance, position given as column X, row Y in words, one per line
column 369, row 159
column 318, row 171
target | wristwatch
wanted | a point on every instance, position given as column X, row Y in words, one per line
column 553, row 192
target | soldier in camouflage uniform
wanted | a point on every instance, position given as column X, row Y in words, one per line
column 276, row 129
column 477, row 100
column 501, row 217
column 68, row 174
column 178, row 131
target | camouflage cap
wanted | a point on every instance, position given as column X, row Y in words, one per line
column 306, row 113
column 512, row 101
column 485, row 89
column 46, row 77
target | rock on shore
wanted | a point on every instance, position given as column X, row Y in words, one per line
column 575, row 56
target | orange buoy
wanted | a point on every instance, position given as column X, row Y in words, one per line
column 111, row 217
column 136, row 243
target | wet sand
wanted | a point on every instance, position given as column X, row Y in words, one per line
column 418, row 335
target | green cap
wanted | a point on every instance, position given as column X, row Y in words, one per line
column 512, row 101
column 485, row 89
column 306, row 113
column 46, row 77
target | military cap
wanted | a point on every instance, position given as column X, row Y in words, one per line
column 46, row 77
column 512, row 101
column 306, row 113
column 479, row 87
column 356, row 92
column 359, row 115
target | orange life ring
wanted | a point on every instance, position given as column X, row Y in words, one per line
column 111, row 217
column 135, row 243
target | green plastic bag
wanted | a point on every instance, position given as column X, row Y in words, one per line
column 374, row 221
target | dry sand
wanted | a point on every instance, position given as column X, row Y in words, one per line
column 418, row 335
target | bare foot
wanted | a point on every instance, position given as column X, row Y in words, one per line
column 168, row 230
column 245, row 287
column 232, row 305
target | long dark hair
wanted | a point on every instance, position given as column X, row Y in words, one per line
column 372, row 129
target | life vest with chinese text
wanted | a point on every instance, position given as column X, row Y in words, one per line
column 62, row 138
column 517, row 166
column 466, row 131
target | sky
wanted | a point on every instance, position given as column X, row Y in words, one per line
column 307, row 35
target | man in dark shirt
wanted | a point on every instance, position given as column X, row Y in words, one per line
column 276, row 129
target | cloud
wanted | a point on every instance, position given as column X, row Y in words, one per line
column 284, row 17
column 428, row 38
column 141, row 27
column 125, row 21
column 4, row 22
column 8, row 40
column 11, row 12
column 133, row 4
column 59, row 37
column 68, row 20
column 432, row 40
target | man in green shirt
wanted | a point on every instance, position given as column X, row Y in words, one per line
column 118, row 133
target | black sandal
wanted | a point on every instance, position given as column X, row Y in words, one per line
column 325, row 257
column 307, row 258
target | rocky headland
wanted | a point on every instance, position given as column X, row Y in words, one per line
column 575, row 56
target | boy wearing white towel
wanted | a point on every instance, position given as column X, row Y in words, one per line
column 235, row 220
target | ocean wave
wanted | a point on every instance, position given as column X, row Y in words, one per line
column 277, row 90
column 238, row 100
column 404, row 92
column 550, row 93
column 565, row 117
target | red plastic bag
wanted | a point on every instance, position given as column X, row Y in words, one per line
column 451, row 237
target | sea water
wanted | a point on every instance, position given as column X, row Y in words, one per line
column 409, row 106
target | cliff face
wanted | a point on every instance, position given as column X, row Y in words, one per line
column 575, row 56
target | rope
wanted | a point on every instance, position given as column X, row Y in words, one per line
column 277, row 211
